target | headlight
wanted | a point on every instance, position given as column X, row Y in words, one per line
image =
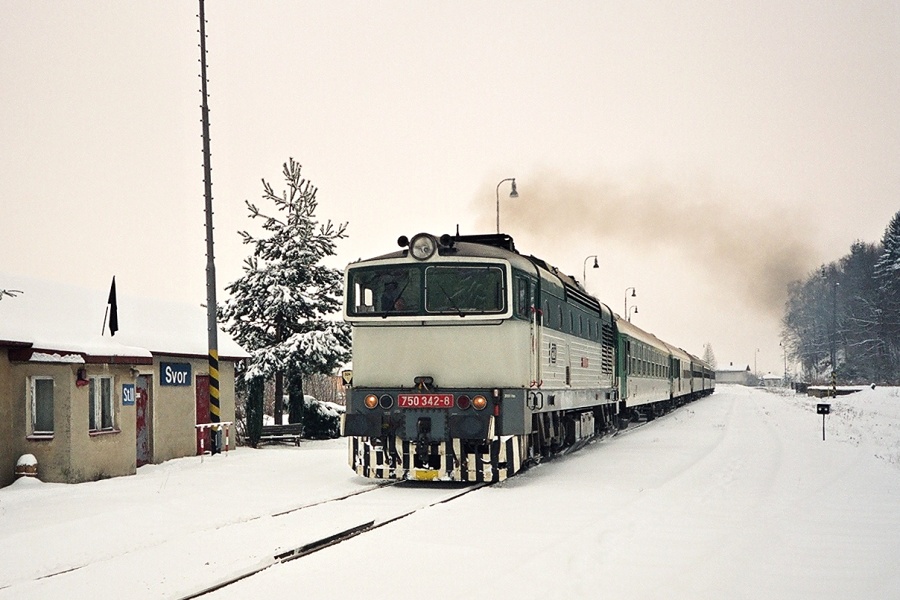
column 386, row 401
column 422, row 246
column 479, row 402
column 371, row 401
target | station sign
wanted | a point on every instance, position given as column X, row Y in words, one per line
column 127, row 394
column 174, row 373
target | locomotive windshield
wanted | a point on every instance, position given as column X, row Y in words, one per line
column 455, row 289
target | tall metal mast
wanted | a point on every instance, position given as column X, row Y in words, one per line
column 212, row 329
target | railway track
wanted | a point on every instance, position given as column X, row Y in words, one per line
column 396, row 512
column 363, row 526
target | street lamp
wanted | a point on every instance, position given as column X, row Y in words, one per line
column 784, row 350
column 755, row 372
column 584, row 270
column 826, row 275
column 633, row 294
column 634, row 311
column 512, row 194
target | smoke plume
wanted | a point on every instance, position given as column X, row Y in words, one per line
column 742, row 246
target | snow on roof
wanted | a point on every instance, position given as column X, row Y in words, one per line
column 64, row 318
column 732, row 369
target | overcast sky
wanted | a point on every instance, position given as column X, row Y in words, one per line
column 708, row 152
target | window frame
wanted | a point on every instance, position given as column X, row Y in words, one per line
column 95, row 408
column 432, row 271
column 34, row 405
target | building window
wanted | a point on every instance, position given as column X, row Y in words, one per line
column 41, row 405
column 100, row 404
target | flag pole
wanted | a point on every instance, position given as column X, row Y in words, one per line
column 211, row 325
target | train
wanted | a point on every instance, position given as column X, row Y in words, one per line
column 471, row 361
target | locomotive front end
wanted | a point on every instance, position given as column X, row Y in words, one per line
column 437, row 360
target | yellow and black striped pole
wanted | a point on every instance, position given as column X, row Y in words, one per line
column 212, row 328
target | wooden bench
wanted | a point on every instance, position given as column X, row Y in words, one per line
column 281, row 433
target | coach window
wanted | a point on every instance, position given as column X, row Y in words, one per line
column 42, row 405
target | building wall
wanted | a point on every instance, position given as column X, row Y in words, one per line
column 73, row 453
column 51, row 452
column 102, row 454
column 742, row 377
column 174, row 413
column 8, row 448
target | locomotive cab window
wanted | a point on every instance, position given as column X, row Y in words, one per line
column 464, row 289
column 384, row 290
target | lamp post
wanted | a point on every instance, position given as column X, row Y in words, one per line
column 633, row 294
column 784, row 351
column 584, row 270
column 826, row 275
column 512, row 194
column 755, row 372
column 634, row 311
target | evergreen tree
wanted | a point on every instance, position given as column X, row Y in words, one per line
column 709, row 357
column 278, row 310
column 887, row 276
column 851, row 309
column 859, row 334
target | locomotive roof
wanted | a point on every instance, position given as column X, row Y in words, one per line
column 501, row 247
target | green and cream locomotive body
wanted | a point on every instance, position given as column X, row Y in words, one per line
column 470, row 360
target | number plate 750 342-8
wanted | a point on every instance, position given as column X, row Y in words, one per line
column 425, row 400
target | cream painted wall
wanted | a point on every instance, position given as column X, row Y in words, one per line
column 74, row 454
column 174, row 411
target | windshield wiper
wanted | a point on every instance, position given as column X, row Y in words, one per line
column 450, row 300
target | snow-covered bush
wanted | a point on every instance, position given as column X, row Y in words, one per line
column 321, row 420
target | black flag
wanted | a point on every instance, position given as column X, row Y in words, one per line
column 113, row 309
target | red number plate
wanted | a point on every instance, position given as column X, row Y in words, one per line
column 425, row 400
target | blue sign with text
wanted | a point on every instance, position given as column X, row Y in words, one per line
column 127, row 394
column 174, row 373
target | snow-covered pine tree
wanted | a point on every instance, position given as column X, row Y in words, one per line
column 279, row 309
column 887, row 275
column 709, row 356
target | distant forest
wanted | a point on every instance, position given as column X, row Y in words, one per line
column 845, row 316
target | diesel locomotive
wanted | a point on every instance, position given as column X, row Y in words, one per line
column 471, row 360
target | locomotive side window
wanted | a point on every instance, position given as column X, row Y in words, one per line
column 464, row 289
column 523, row 297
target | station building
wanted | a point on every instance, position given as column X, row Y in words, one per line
column 732, row 374
column 90, row 405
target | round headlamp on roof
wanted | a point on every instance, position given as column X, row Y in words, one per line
column 422, row 246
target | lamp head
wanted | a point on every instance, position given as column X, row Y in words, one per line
column 513, row 193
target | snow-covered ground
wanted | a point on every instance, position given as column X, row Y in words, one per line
column 734, row 496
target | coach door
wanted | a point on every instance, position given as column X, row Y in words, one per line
column 144, row 421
